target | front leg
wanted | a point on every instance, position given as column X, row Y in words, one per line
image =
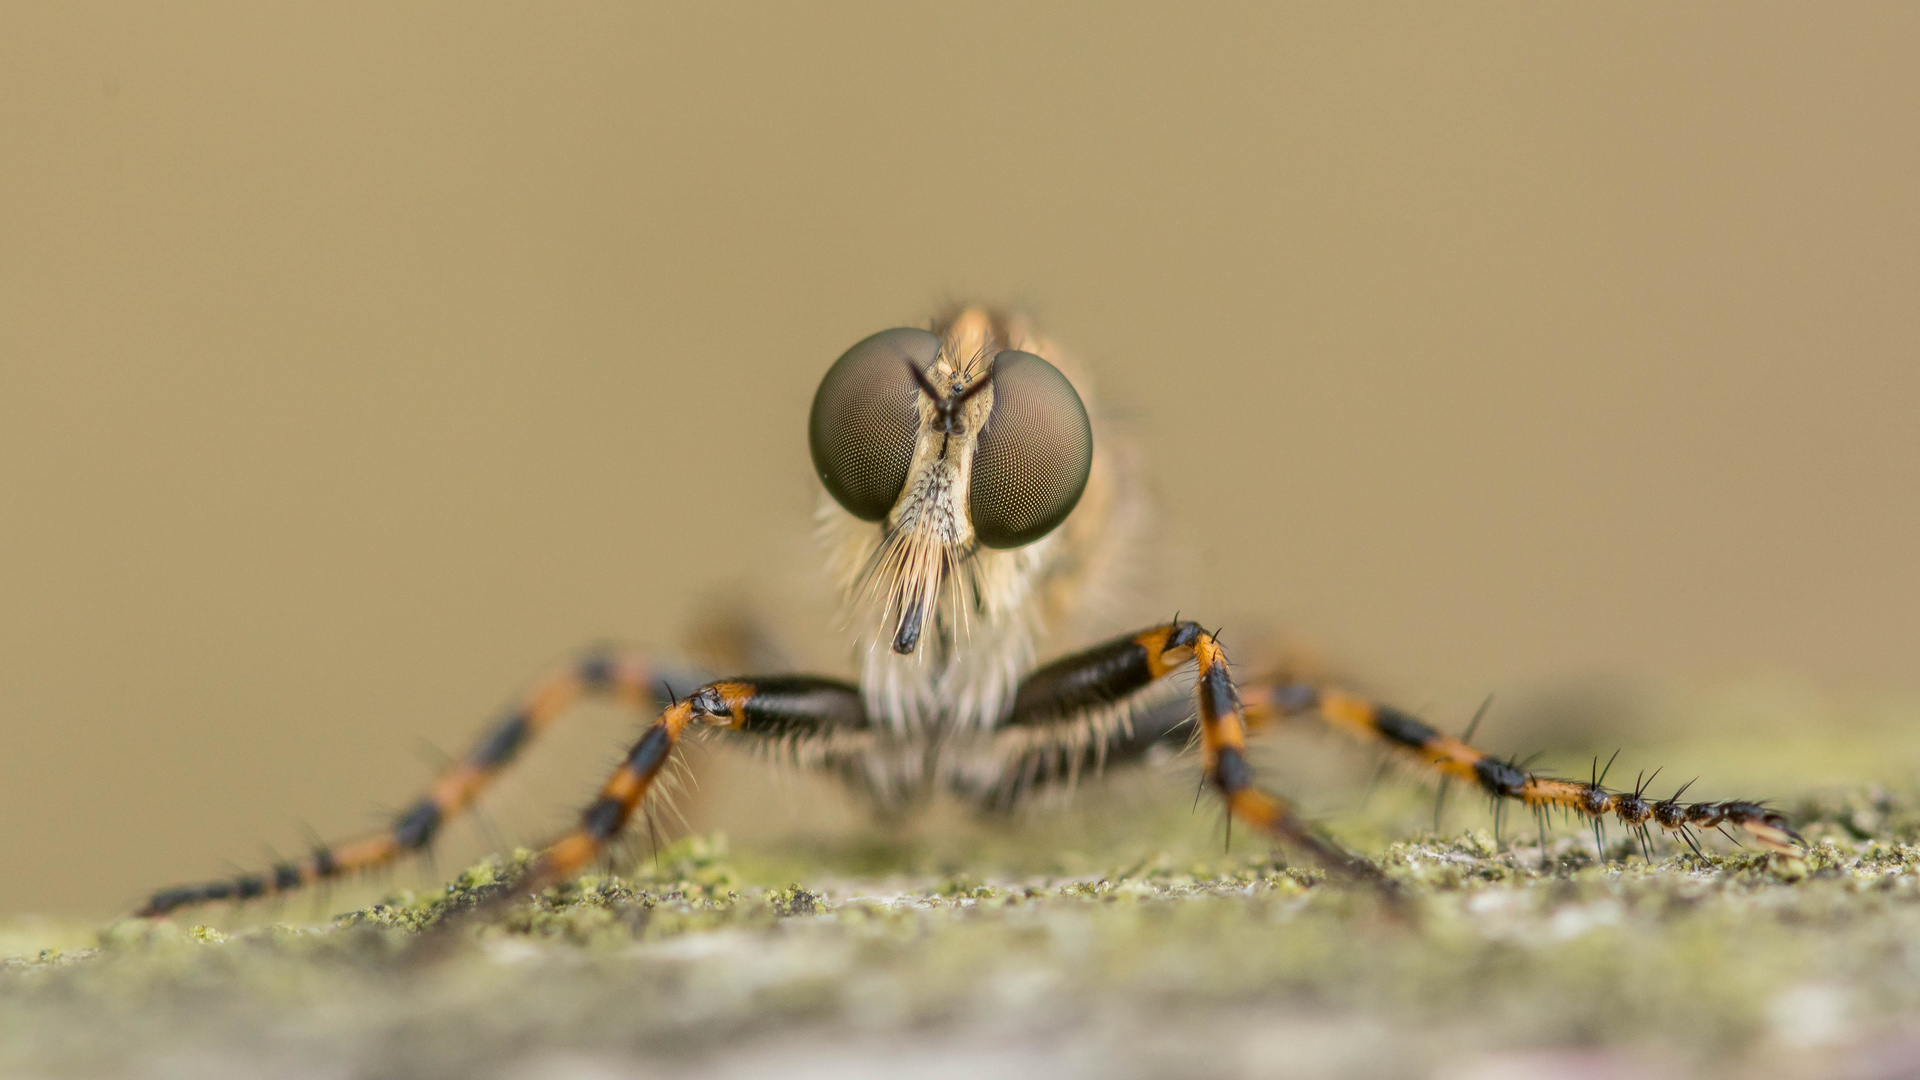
column 1078, row 712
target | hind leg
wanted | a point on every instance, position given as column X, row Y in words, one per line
column 628, row 678
column 1446, row 758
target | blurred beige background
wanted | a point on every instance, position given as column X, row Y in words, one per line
column 358, row 360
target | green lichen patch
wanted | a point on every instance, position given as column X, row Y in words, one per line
column 1223, row 964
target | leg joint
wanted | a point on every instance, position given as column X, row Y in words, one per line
column 604, row 817
column 1499, row 778
column 1184, row 635
column 416, row 827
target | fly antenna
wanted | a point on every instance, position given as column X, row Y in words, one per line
column 926, row 387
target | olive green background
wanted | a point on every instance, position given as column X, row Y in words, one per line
column 358, row 360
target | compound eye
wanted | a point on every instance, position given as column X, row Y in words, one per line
column 866, row 416
column 1034, row 455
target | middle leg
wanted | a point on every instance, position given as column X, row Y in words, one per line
column 818, row 721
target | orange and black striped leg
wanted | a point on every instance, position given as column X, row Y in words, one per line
column 1072, row 713
column 823, row 720
column 1444, row 756
column 624, row 677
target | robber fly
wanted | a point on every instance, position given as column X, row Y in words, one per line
column 973, row 515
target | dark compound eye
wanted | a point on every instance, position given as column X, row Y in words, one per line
column 866, row 416
column 1034, row 455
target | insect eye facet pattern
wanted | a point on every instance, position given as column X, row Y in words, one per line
column 972, row 518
